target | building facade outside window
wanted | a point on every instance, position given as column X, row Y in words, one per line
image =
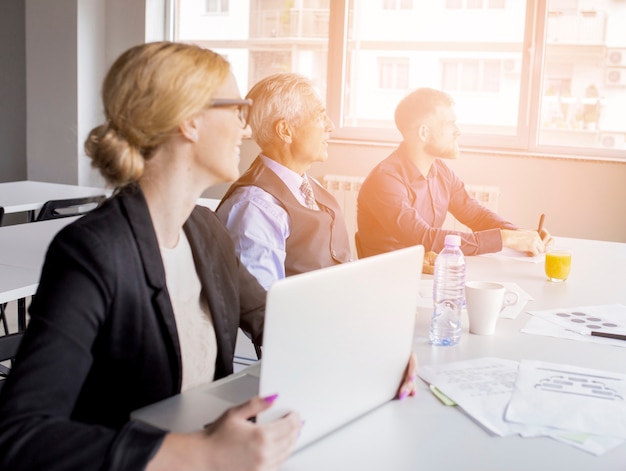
column 217, row 6
column 535, row 76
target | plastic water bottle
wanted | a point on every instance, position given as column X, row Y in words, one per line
column 448, row 293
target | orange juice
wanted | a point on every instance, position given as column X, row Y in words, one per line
column 558, row 264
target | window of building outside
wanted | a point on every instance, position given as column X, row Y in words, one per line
column 526, row 75
column 216, row 6
column 393, row 73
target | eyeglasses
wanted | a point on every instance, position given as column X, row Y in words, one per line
column 243, row 106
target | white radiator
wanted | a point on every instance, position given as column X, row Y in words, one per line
column 345, row 189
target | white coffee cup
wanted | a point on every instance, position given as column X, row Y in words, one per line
column 484, row 301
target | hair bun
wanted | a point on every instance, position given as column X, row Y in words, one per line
column 119, row 162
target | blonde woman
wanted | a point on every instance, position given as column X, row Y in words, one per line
column 142, row 298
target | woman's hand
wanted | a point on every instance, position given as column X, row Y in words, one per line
column 408, row 386
column 232, row 442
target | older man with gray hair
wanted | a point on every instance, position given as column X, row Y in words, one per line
column 283, row 222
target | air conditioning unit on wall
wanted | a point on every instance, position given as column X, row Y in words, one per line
column 613, row 140
column 615, row 76
column 512, row 66
column 616, row 57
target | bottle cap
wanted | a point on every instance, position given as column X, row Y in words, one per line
column 453, row 239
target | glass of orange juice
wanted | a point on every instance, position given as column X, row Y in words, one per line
column 558, row 263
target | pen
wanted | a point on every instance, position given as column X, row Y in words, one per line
column 540, row 226
column 608, row 335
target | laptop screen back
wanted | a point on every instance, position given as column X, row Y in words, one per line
column 337, row 340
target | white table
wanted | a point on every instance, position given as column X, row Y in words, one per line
column 25, row 245
column 30, row 196
column 17, row 283
column 422, row 433
column 22, row 251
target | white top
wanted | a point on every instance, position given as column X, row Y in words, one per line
column 196, row 334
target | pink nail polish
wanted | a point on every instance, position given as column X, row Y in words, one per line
column 270, row 399
column 402, row 395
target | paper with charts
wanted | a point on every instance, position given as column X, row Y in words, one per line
column 569, row 398
column 578, row 322
column 483, row 388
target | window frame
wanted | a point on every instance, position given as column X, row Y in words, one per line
column 337, row 45
column 524, row 141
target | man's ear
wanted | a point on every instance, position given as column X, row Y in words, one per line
column 284, row 131
column 422, row 131
column 189, row 129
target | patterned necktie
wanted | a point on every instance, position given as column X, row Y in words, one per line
column 307, row 192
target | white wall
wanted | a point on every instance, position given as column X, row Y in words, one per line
column 69, row 46
column 90, row 68
column 581, row 198
column 12, row 92
column 51, row 90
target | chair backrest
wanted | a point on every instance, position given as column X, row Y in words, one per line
column 8, row 349
column 55, row 209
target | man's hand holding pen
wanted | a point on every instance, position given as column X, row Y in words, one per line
column 528, row 241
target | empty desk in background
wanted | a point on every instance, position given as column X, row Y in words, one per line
column 421, row 433
column 29, row 196
column 16, row 284
column 23, row 249
column 25, row 245
column 22, row 252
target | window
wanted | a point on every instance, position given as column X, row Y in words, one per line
column 496, row 4
column 217, row 6
column 474, row 4
column 398, row 4
column 583, row 92
column 531, row 76
column 393, row 74
column 471, row 76
column 454, row 4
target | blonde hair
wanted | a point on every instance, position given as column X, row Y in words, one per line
column 147, row 93
column 285, row 96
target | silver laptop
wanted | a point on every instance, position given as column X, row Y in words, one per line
column 335, row 346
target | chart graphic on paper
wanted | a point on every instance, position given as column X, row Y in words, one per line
column 569, row 382
column 568, row 397
column 584, row 320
